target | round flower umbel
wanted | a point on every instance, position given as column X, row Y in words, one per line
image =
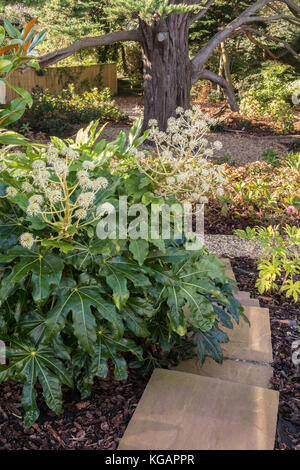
column 61, row 190
column 27, row 240
column 36, row 199
column 11, row 191
column 86, row 199
column 180, row 164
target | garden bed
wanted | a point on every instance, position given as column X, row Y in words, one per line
column 284, row 313
column 97, row 423
column 100, row 421
column 215, row 222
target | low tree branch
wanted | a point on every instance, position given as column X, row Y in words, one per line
column 85, row 43
column 213, row 77
column 292, row 6
column 248, row 33
column 246, row 17
column 272, row 38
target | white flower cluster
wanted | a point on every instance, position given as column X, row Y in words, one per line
column 61, row 189
column 27, row 240
column 180, row 164
column 86, row 183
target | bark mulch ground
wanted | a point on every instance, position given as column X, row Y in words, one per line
column 217, row 223
column 97, row 423
column 284, row 316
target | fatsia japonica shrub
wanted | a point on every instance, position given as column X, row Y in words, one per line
column 180, row 161
column 74, row 306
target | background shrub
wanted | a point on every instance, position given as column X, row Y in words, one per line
column 54, row 113
column 268, row 93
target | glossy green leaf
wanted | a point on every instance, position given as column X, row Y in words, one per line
column 139, row 248
column 176, row 313
column 118, row 283
column 12, row 31
column 37, row 363
column 2, row 34
column 45, row 272
column 130, row 270
column 5, row 66
column 79, row 300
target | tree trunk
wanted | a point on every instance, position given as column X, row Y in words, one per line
column 167, row 68
column 226, row 65
column 221, row 69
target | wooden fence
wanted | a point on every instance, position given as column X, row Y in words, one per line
column 56, row 79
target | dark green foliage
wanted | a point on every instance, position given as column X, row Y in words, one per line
column 54, row 113
column 74, row 308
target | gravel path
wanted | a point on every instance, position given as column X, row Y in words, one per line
column 231, row 246
column 238, row 146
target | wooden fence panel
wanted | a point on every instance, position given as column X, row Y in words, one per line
column 56, row 79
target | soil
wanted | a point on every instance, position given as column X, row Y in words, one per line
column 285, row 321
column 97, row 423
column 215, row 222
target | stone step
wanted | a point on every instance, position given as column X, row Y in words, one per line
column 242, row 295
column 251, row 343
column 250, row 303
column 247, row 356
column 228, row 269
column 245, row 299
column 233, row 370
column 182, row 411
column 192, row 407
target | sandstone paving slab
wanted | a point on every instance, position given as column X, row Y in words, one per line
column 251, row 343
column 183, row 411
column 233, row 370
column 242, row 295
column 248, row 302
column 228, row 269
column 245, row 299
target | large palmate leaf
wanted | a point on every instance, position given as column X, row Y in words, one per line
column 197, row 287
column 85, row 255
column 209, row 343
column 171, row 254
column 135, row 321
column 117, row 281
column 179, row 290
column 31, row 363
column 79, row 301
column 128, row 269
column 139, row 248
column 45, row 270
column 10, row 232
column 106, row 348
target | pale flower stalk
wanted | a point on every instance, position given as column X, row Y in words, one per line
column 180, row 164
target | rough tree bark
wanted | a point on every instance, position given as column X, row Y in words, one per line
column 167, row 68
column 168, row 71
